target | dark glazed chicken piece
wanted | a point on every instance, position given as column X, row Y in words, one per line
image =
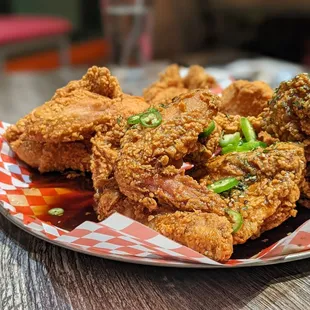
column 148, row 169
column 56, row 136
column 171, row 84
column 269, row 185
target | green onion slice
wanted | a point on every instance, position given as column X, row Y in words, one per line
column 237, row 218
column 207, row 131
column 150, row 119
column 250, row 146
column 229, row 148
column 247, row 129
column 56, row 211
column 245, row 147
column 233, row 139
column 223, row 185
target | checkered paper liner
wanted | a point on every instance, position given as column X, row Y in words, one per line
column 117, row 236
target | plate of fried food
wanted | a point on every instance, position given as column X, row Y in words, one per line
column 191, row 174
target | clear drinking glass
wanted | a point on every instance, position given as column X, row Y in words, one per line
column 128, row 28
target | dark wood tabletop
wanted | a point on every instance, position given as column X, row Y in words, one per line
column 37, row 275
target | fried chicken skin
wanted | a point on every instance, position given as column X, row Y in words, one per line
column 105, row 149
column 245, row 98
column 306, row 186
column 206, row 233
column 45, row 137
column 269, row 185
column 171, row 84
column 148, row 169
column 289, row 116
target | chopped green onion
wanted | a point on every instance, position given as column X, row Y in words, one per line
column 245, row 147
column 247, row 129
column 150, row 119
column 223, row 185
column 229, row 149
column 237, row 218
column 56, row 211
column 134, row 119
column 207, row 131
column 250, row 146
column 233, row 139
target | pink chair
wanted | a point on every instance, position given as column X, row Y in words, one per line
column 24, row 32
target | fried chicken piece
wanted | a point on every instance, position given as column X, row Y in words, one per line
column 245, row 98
column 104, row 154
column 289, row 116
column 306, row 186
column 269, row 185
column 54, row 156
column 45, row 137
column 206, row 233
column 197, row 78
column 148, row 169
column 171, row 84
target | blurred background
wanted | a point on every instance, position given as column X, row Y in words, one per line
column 253, row 39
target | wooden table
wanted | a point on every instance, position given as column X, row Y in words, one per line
column 37, row 275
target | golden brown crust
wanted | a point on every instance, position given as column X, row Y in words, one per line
column 245, row 98
column 270, row 180
column 289, row 115
column 171, row 84
column 197, row 78
column 206, row 233
column 54, row 156
column 146, row 169
column 44, row 138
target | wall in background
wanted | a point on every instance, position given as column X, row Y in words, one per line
column 70, row 9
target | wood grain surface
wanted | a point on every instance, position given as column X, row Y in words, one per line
column 38, row 275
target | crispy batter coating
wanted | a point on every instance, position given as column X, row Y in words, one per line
column 206, row 233
column 270, row 180
column 105, row 149
column 198, row 78
column 245, row 98
column 231, row 123
column 69, row 120
column 54, row 156
column 148, row 167
column 289, row 115
column 138, row 172
column 171, row 84
column 306, row 186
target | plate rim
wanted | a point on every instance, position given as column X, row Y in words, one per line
column 279, row 260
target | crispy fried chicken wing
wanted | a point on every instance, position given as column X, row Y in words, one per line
column 44, row 138
column 148, row 167
column 171, row 84
column 269, row 185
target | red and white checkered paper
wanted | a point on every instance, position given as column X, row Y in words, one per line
column 117, row 236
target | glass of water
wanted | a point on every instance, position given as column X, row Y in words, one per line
column 128, row 29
